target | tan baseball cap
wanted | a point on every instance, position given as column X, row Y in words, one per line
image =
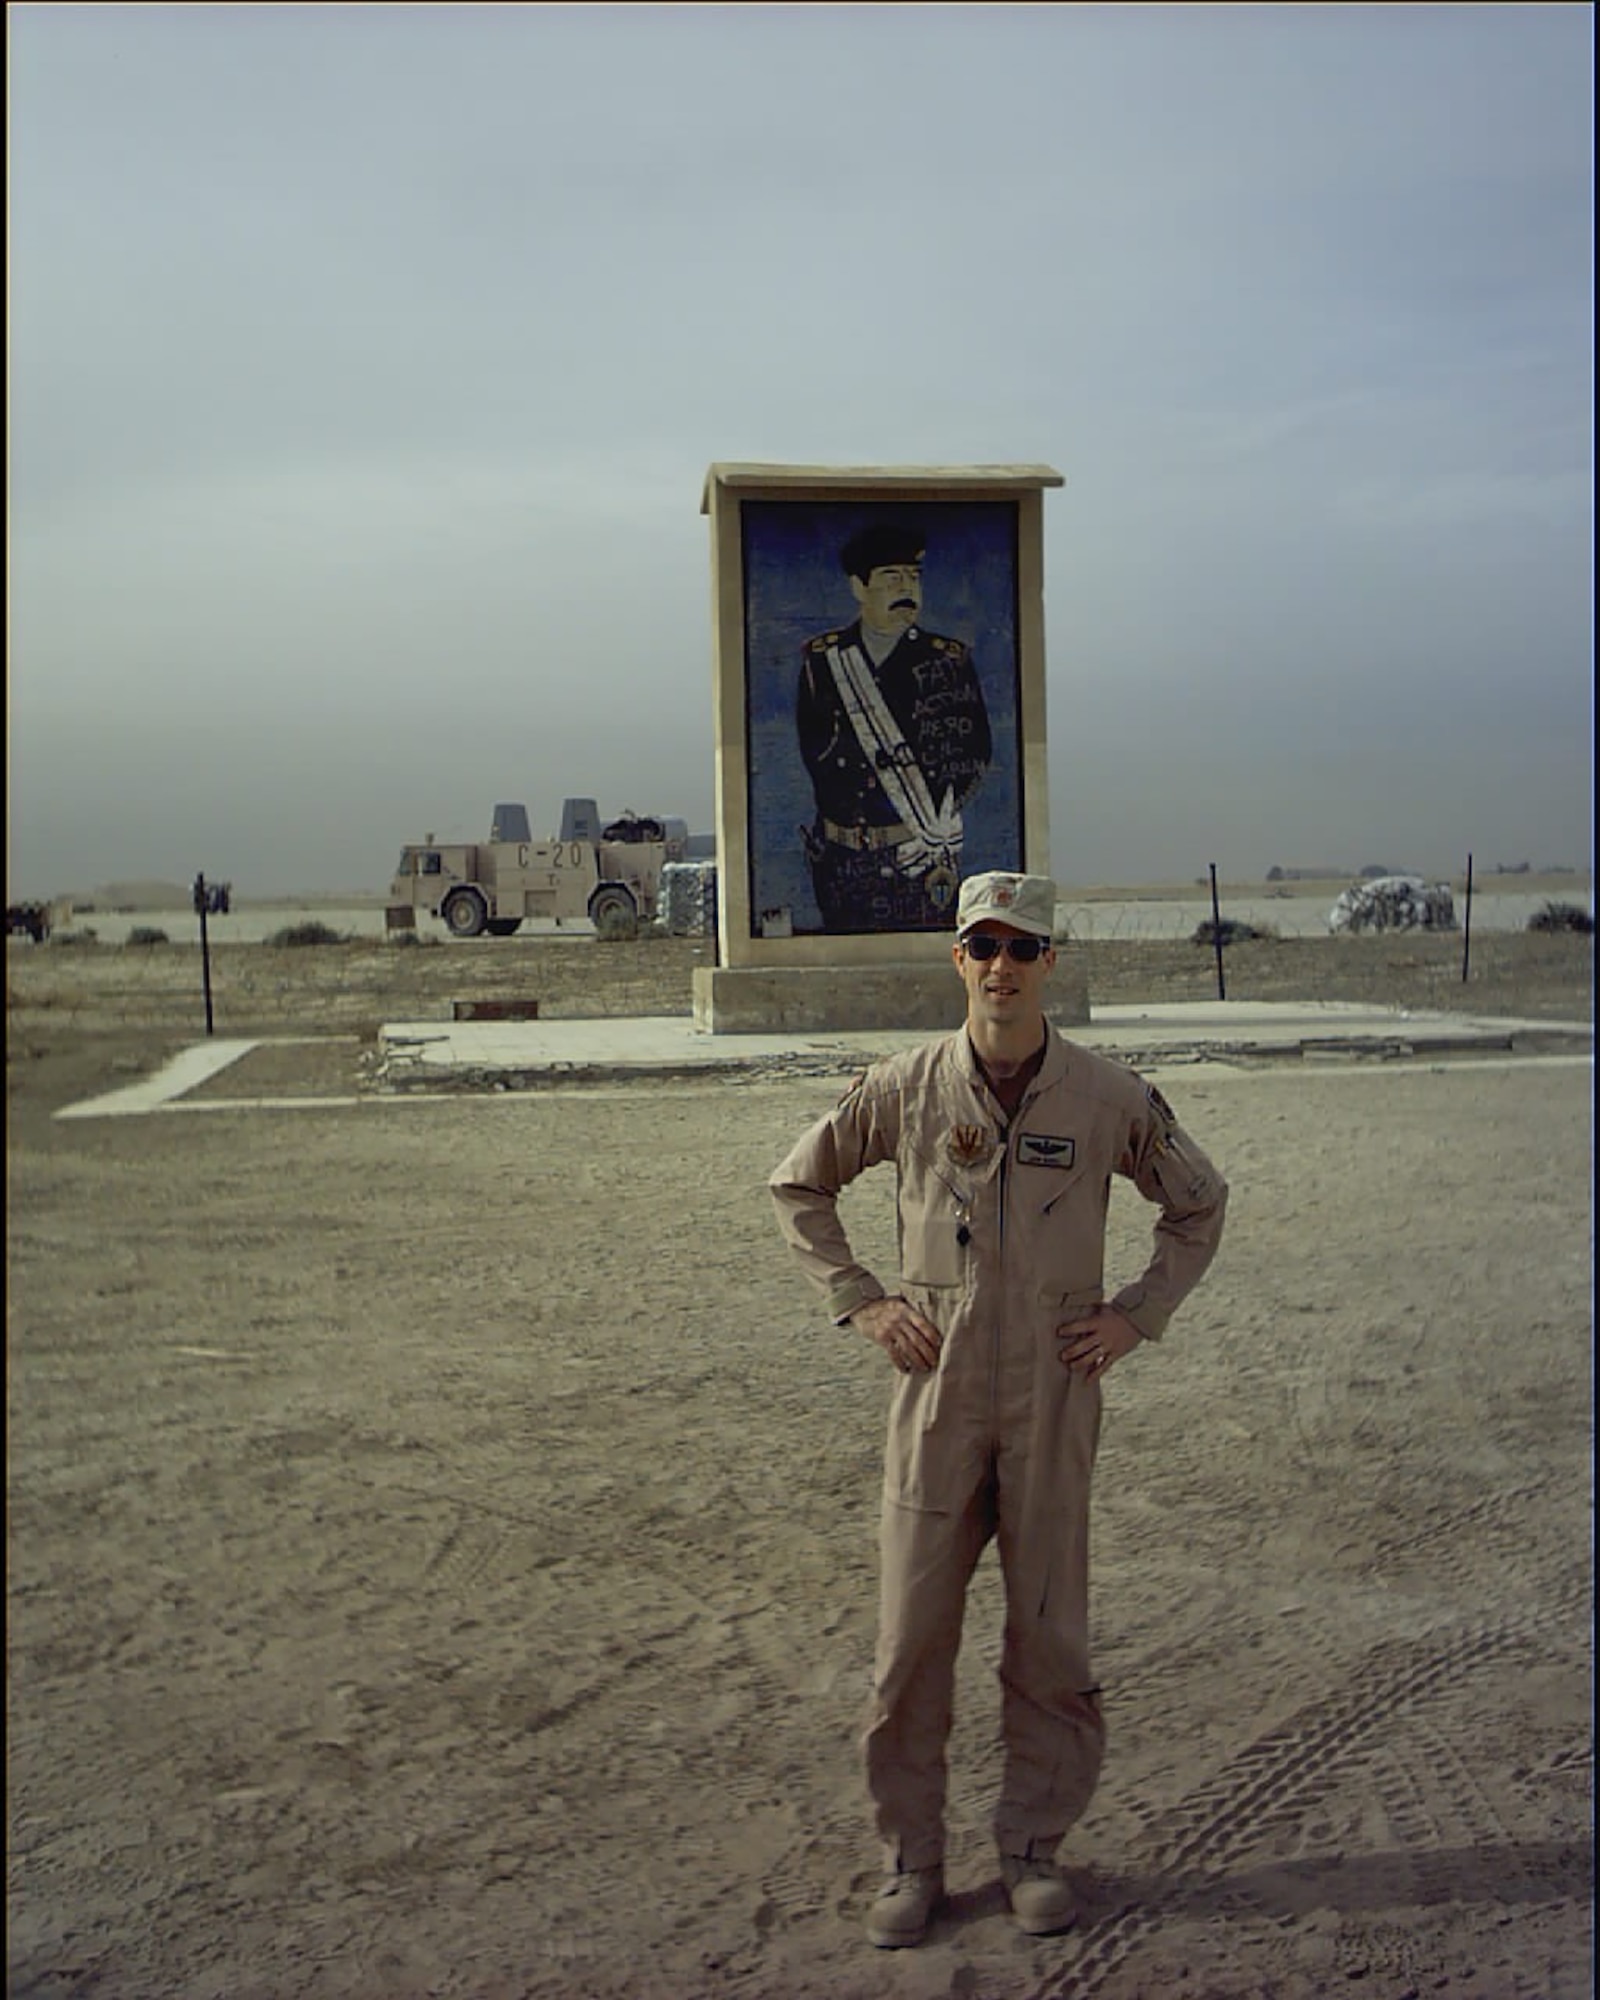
column 1025, row 902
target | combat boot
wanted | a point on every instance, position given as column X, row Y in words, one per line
column 1041, row 1903
column 905, row 1907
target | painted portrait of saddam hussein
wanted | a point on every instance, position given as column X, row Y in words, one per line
column 882, row 690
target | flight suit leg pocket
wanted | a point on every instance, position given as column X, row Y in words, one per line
column 1056, row 1385
column 920, row 1467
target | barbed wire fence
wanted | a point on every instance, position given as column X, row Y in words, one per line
column 1182, row 942
column 1112, row 916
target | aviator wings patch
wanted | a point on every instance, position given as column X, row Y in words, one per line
column 1040, row 1149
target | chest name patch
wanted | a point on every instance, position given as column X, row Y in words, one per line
column 1039, row 1149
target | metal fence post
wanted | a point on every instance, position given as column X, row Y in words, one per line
column 201, row 899
column 1216, row 934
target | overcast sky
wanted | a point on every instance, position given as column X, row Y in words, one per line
column 366, row 364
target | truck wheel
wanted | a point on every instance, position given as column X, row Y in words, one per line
column 613, row 912
column 504, row 926
column 465, row 913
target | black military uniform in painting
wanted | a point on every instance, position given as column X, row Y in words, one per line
column 895, row 734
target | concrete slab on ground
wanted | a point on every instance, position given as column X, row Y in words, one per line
column 420, row 1058
column 426, row 1051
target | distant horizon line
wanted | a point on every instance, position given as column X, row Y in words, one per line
column 157, row 894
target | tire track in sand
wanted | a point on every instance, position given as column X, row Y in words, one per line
column 1275, row 1781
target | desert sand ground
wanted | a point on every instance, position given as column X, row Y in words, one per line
column 441, row 1533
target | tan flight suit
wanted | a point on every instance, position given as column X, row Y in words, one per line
column 1002, row 1238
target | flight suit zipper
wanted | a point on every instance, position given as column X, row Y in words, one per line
column 1011, row 1126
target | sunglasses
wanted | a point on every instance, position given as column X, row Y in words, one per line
column 983, row 945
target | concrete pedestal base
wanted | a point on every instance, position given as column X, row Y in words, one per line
column 836, row 999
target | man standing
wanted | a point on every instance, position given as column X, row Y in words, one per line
column 895, row 734
column 1004, row 1137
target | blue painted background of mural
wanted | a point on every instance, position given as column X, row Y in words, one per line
column 796, row 588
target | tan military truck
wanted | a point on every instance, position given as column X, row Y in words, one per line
column 609, row 873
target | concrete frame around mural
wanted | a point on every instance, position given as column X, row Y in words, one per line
column 727, row 488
